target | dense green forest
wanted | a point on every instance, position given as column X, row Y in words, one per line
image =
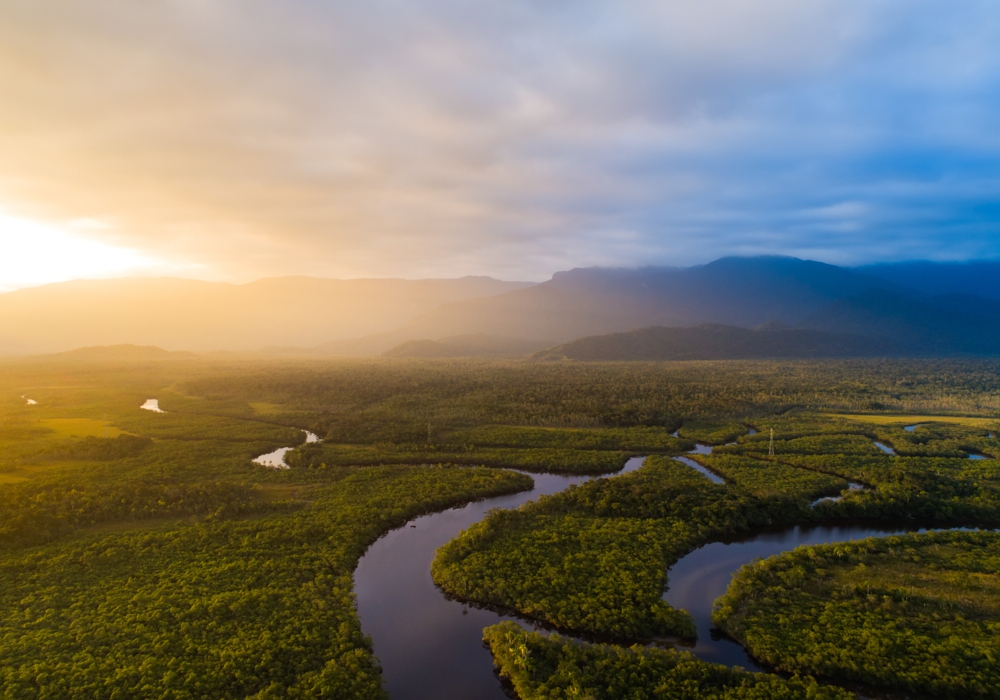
column 594, row 558
column 145, row 554
column 552, row 668
column 917, row 613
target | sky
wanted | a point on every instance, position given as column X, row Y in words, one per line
column 438, row 138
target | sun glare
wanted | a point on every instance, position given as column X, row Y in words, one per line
column 34, row 253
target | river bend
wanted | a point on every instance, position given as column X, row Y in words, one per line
column 431, row 647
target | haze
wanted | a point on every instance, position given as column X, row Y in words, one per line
column 240, row 140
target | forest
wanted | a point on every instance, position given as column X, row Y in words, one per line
column 925, row 609
column 146, row 555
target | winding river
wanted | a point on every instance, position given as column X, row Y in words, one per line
column 431, row 647
column 700, row 577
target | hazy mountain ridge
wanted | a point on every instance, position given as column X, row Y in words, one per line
column 979, row 278
column 718, row 342
column 924, row 326
column 117, row 353
column 592, row 301
column 475, row 345
column 204, row 316
column 860, row 314
column 487, row 317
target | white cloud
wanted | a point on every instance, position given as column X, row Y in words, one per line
column 449, row 137
column 35, row 253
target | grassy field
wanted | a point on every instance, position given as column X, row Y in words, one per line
column 80, row 427
column 875, row 419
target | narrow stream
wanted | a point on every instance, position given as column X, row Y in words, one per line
column 276, row 459
column 885, row 448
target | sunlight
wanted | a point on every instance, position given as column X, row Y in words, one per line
column 35, row 253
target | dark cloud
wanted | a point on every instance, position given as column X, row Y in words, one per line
column 450, row 137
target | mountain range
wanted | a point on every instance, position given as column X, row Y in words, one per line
column 800, row 308
column 198, row 316
column 712, row 341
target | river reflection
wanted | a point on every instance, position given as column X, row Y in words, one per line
column 697, row 579
column 431, row 647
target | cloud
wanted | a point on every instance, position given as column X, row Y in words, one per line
column 36, row 254
column 449, row 137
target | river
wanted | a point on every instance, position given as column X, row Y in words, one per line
column 698, row 578
column 430, row 647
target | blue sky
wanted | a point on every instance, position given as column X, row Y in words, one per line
column 235, row 140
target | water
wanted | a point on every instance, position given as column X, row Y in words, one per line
column 697, row 579
column 31, row 402
column 911, row 428
column 152, row 405
column 851, row 486
column 712, row 476
column 276, row 459
column 885, row 448
column 431, row 647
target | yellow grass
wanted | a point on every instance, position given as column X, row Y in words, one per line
column 976, row 422
column 263, row 409
column 81, row 427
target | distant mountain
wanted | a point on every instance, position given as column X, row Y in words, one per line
column 718, row 342
column 917, row 308
column 204, row 316
column 923, row 326
column 733, row 291
column 982, row 309
column 977, row 278
column 475, row 345
column 126, row 353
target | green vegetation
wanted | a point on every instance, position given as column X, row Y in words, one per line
column 813, row 444
column 770, row 479
column 221, row 609
column 145, row 553
column 553, row 668
column 713, row 341
column 370, row 402
column 534, row 460
column 712, row 433
column 635, row 439
column 594, row 557
column 918, row 613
